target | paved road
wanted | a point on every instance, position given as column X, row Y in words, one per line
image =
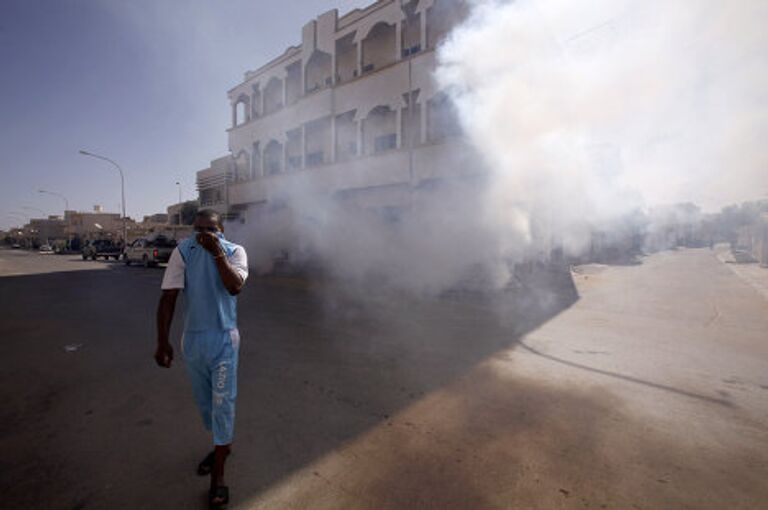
column 646, row 389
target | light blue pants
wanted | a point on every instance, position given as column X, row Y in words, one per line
column 211, row 359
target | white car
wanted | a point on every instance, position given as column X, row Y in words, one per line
column 46, row 249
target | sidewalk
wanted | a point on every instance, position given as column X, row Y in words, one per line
column 750, row 272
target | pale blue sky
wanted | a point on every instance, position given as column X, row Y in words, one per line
column 142, row 81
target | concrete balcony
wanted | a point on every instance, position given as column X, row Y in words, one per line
column 380, row 170
column 429, row 162
column 384, row 86
column 274, row 126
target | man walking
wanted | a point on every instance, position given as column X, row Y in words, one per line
column 211, row 271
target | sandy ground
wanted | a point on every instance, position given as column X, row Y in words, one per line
column 639, row 386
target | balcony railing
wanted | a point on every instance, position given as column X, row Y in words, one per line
column 315, row 158
column 385, row 143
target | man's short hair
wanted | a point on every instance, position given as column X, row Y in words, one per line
column 211, row 215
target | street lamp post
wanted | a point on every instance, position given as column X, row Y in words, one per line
column 178, row 183
column 122, row 188
column 66, row 202
column 20, row 214
column 34, row 209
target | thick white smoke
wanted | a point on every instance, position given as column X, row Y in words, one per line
column 581, row 112
column 586, row 109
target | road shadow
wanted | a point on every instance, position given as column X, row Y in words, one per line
column 99, row 425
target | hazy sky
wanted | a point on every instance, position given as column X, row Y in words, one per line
column 143, row 82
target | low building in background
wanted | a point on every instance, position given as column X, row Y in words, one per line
column 46, row 230
column 182, row 213
column 155, row 219
column 213, row 185
column 83, row 226
column 160, row 225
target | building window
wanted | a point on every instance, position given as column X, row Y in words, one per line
column 380, row 130
column 242, row 110
column 346, row 58
column 318, row 71
column 293, row 88
column 385, row 142
column 293, row 151
column 318, row 141
column 411, row 29
column 379, row 47
column 273, row 96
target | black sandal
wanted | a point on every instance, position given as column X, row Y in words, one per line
column 206, row 465
column 218, row 497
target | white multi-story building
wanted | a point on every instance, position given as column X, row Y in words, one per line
column 353, row 113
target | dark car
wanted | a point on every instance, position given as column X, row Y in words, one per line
column 101, row 248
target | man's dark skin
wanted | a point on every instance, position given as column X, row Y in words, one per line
column 206, row 229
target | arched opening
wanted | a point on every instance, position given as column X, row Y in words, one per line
column 346, row 58
column 273, row 95
column 411, row 29
column 380, row 130
column 273, row 158
column 242, row 110
column 379, row 47
column 318, row 142
column 293, row 88
column 318, row 71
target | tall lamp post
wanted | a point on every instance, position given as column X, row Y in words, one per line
column 33, row 209
column 20, row 214
column 178, row 183
column 66, row 202
column 122, row 187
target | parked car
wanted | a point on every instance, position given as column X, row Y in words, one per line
column 46, row 248
column 149, row 252
column 15, row 246
column 101, row 248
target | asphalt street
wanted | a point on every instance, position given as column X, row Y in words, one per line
column 636, row 386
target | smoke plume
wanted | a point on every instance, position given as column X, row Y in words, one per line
column 580, row 113
column 584, row 110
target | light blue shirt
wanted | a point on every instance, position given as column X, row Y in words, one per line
column 208, row 306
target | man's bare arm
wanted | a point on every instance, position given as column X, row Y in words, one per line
column 229, row 276
column 165, row 309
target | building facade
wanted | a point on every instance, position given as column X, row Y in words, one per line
column 353, row 110
column 96, row 225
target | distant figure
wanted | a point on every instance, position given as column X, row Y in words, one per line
column 211, row 271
